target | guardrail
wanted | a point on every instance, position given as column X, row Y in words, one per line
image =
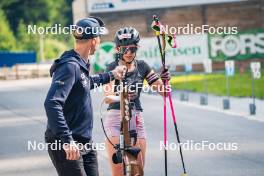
column 21, row 71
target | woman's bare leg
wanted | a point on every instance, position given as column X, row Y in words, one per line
column 141, row 143
column 117, row 169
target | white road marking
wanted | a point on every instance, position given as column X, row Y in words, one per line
column 19, row 120
column 17, row 84
column 24, row 163
column 209, row 108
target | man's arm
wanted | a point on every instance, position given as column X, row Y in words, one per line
column 101, row 79
column 104, row 78
column 63, row 80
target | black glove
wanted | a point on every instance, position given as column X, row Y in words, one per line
column 165, row 74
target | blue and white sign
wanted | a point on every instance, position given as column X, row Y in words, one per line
column 188, row 67
column 207, row 66
column 230, row 68
column 256, row 69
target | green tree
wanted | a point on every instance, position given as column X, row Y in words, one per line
column 53, row 48
column 21, row 13
column 36, row 11
column 7, row 39
column 27, row 10
column 26, row 41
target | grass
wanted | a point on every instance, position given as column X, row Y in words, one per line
column 240, row 84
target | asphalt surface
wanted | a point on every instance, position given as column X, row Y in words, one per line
column 22, row 119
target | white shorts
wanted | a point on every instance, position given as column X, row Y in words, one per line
column 112, row 124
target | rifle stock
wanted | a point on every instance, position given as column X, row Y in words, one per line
column 129, row 151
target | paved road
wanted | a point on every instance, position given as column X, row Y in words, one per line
column 22, row 118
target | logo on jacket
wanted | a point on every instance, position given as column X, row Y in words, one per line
column 84, row 80
column 59, row 82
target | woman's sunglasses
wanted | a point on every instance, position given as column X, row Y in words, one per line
column 125, row 49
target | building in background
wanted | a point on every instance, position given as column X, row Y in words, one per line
column 248, row 16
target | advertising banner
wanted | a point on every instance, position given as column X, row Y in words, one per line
column 191, row 49
column 244, row 45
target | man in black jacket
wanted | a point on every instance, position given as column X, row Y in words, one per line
column 68, row 103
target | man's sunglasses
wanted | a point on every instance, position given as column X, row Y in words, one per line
column 125, row 49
